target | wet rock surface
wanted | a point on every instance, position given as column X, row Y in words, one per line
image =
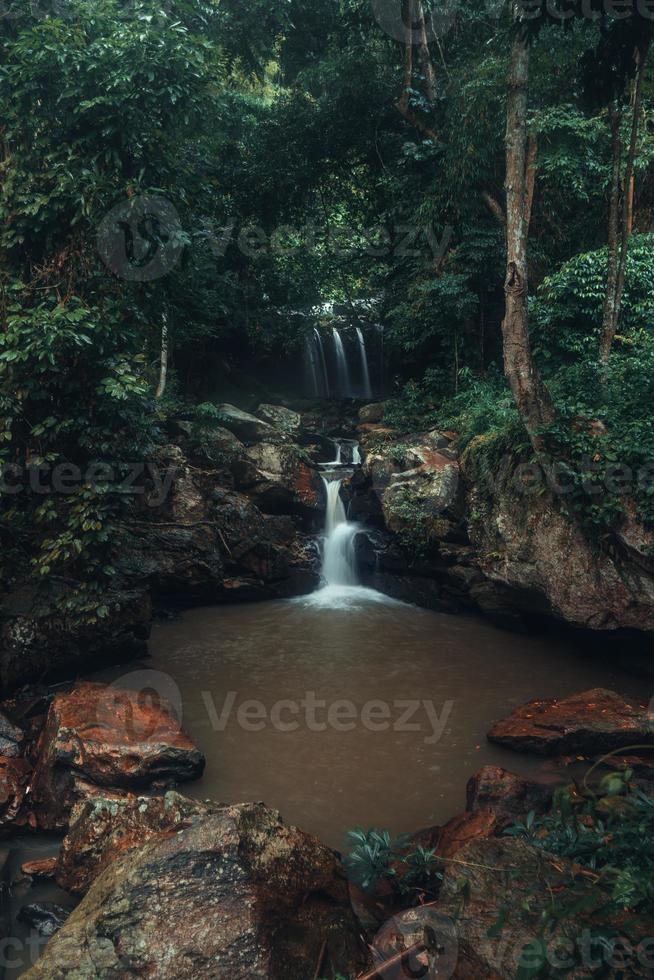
column 507, row 884
column 506, row 793
column 44, row 917
column 232, row 892
column 98, row 736
column 593, row 722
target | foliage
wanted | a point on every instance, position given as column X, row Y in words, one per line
column 606, row 836
column 375, row 858
column 72, row 420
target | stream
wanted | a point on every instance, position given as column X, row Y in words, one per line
column 343, row 708
column 348, row 708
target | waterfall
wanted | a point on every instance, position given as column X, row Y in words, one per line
column 356, row 455
column 313, row 368
column 320, row 350
column 367, row 387
column 343, row 371
column 317, row 365
column 339, row 560
column 339, row 455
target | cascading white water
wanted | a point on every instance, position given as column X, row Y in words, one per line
column 339, row 559
column 317, row 365
column 320, row 351
column 313, row 368
column 356, row 455
column 365, row 370
column 342, row 369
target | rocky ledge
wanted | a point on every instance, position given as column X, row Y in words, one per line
column 229, row 512
column 470, row 532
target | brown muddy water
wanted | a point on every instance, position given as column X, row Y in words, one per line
column 363, row 711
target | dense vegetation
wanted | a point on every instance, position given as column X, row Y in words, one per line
column 210, row 173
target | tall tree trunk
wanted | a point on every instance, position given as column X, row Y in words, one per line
column 609, row 319
column 163, row 364
column 425, row 56
column 621, row 222
column 529, row 392
column 628, row 202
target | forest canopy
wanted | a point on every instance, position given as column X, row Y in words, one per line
column 193, row 185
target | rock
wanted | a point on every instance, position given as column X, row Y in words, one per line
column 538, row 558
column 14, row 779
column 463, row 829
column 235, row 893
column 102, row 829
column 39, row 643
column 594, row 722
column 5, row 899
column 373, row 413
column 104, row 736
column 43, row 869
column 417, row 484
column 507, row 794
column 12, row 738
column 215, row 445
column 508, row 883
column 44, row 917
column 245, row 426
column 282, row 418
column 284, row 483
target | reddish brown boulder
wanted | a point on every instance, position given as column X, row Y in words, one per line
column 467, row 827
column 506, row 793
column 14, row 781
column 594, row 722
column 102, row 829
column 99, row 736
column 232, row 893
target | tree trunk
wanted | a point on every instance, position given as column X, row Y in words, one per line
column 529, row 392
column 628, row 202
column 163, row 364
column 425, row 56
column 609, row 322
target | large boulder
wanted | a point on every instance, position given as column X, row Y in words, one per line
column 506, row 793
column 98, row 736
column 37, row 641
column 594, row 722
column 537, row 559
column 247, row 427
column 228, row 892
column 417, row 484
column 496, row 893
column 281, row 418
column 280, row 481
column 373, row 413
